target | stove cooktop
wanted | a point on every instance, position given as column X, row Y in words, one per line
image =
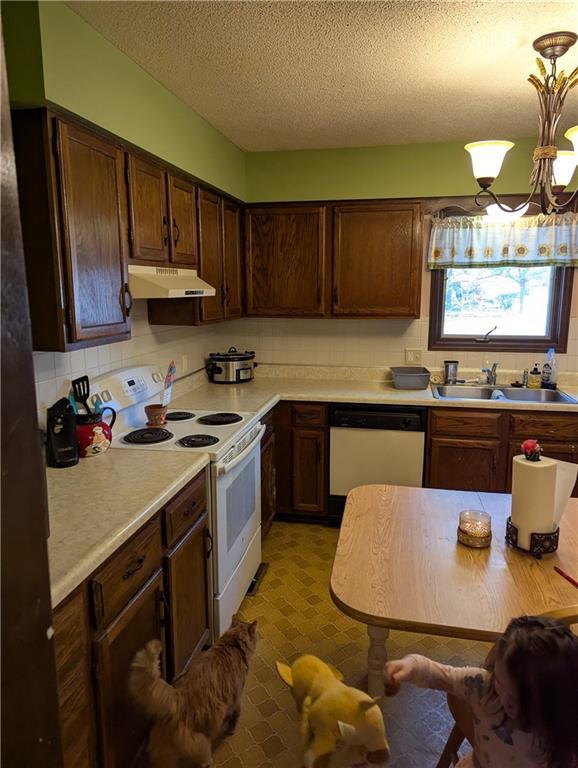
column 207, row 431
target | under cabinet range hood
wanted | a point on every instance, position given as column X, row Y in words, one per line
column 166, row 283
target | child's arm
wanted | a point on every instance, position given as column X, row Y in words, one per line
column 463, row 682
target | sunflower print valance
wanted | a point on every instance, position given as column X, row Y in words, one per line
column 477, row 241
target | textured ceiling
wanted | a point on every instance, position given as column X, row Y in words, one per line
column 292, row 75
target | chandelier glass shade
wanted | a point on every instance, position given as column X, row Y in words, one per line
column 553, row 169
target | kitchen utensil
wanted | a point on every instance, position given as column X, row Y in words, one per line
column 156, row 415
column 410, row 377
column 168, row 387
column 81, row 389
column 61, row 445
column 231, row 367
column 93, row 433
column 72, row 402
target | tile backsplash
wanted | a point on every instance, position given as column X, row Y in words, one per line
column 158, row 344
column 354, row 343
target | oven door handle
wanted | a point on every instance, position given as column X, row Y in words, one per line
column 222, row 469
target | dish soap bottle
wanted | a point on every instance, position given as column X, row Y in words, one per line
column 549, row 370
column 534, row 377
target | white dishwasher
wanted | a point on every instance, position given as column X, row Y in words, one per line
column 374, row 444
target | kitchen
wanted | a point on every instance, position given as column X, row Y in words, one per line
column 272, row 232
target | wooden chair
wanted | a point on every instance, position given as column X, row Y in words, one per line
column 462, row 714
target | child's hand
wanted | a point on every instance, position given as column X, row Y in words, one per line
column 396, row 672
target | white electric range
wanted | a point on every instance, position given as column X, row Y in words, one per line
column 232, row 441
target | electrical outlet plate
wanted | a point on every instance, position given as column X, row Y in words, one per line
column 413, row 356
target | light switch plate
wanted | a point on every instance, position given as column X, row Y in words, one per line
column 412, row 355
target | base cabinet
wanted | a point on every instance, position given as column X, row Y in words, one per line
column 471, row 450
column 302, row 460
column 268, row 490
column 72, row 650
column 187, row 589
column 466, row 465
column 148, row 589
column 123, row 729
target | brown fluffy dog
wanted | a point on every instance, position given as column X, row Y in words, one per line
column 202, row 705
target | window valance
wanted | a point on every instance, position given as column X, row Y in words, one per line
column 478, row 241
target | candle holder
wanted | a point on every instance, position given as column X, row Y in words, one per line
column 475, row 528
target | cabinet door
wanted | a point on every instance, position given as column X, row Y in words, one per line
column 309, row 470
column 149, row 215
column 94, row 234
column 123, row 727
column 186, row 568
column 285, row 261
column 561, row 451
column 377, row 260
column 232, row 259
column 72, row 653
column 210, row 254
column 184, row 245
column 466, row 465
column 267, row 485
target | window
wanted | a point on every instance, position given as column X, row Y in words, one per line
column 505, row 308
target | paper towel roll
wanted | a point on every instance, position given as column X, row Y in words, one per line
column 540, row 493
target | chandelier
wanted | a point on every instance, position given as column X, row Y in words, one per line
column 553, row 168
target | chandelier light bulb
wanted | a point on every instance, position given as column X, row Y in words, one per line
column 572, row 135
column 487, row 158
column 495, row 213
column 563, row 168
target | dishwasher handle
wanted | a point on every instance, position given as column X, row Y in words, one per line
column 402, row 421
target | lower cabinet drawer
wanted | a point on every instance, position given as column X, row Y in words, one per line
column 309, row 414
column 462, row 422
column 182, row 512
column 125, row 572
column 554, row 426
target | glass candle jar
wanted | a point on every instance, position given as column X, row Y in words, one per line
column 475, row 528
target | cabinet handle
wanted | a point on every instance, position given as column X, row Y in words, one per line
column 335, row 296
column 209, row 539
column 223, row 295
column 135, row 566
column 494, row 461
column 190, row 510
column 126, row 293
column 176, row 226
column 166, row 231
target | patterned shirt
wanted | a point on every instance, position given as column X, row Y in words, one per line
column 497, row 742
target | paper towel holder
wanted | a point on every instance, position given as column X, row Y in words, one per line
column 540, row 543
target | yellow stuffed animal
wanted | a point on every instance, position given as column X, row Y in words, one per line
column 333, row 712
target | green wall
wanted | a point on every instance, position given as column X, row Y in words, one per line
column 54, row 55
column 405, row 170
column 87, row 75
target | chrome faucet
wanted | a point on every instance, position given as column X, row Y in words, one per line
column 491, row 374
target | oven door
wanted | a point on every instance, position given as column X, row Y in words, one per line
column 236, row 511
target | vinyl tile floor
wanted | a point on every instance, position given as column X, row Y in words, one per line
column 296, row 615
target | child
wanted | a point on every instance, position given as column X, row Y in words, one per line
column 525, row 707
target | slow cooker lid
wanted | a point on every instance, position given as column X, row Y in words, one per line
column 232, row 355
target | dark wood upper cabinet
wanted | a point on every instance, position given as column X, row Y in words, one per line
column 94, row 233
column 377, row 260
column 183, row 219
column 285, row 260
column 123, row 727
column 187, row 578
column 232, row 263
column 210, row 254
column 150, row 227
column 74, row 224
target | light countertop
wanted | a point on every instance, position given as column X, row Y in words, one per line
column 261, row 394
column 97, row 505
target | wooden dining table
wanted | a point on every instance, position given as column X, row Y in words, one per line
column 398, row 565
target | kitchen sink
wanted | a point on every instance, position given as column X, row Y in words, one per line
column 519, row 394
